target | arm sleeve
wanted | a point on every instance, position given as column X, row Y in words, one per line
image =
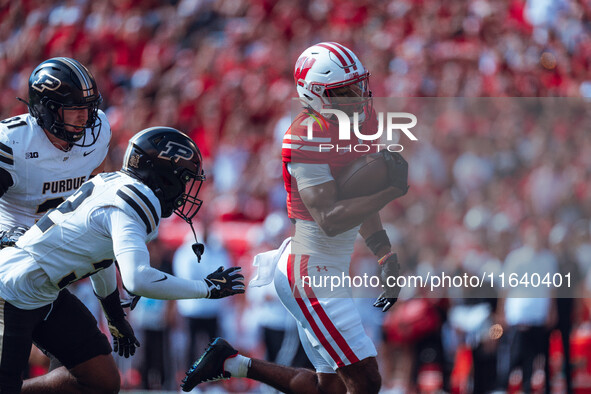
column 134, row 263
column 308, row 175
column 104, row 282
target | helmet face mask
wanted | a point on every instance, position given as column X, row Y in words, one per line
column 351, row 97
column 329, row 75
column 170, row 164
column 187, row 204
column 60, row 86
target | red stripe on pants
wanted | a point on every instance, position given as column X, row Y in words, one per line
column 328, row 324
column 307, row 315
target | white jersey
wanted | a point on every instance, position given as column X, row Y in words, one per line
column 111, row 216
column 69, row 245
column 43, row 174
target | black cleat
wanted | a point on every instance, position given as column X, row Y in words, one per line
column 210, row 366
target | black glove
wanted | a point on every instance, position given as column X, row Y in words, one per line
column 223, row 283
column 397, row 170
column 124, row 340
column 9, row 237
column 389, row 268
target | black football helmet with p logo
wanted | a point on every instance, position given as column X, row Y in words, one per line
column 60, row 84
column 170, row 164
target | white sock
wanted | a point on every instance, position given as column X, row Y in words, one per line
column 237, row 366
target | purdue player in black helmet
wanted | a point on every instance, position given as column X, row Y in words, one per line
column 166, row 160
column 45, row 155
column 64, row 99
column 64, row 136
column 112, row 216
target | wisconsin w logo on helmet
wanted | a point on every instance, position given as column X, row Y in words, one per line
column 46, row 81
column 176, row 151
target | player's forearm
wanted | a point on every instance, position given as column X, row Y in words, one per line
column 370, row 225
column 346, row 214
column 141, row 279
column 151, row 283
column 376, row 239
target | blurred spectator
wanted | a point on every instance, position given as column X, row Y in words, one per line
column 153, row 320
column 528, row 319
column 201, row 317
column 567, row 295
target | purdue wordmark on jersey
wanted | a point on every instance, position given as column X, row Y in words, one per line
column 63, row 185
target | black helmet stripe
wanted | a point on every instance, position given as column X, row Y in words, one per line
column 81, row 73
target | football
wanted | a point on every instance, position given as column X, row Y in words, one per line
column 363, row 176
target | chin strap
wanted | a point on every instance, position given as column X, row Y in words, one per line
column 198, row 248
column 23, row 101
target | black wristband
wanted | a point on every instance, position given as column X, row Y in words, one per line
column 377, row 240
column 112, row 306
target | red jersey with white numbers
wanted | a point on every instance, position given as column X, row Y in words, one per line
column 324, row 147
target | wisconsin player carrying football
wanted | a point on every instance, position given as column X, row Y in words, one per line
column 327, row 75
column 45, row 156
column 111, row 216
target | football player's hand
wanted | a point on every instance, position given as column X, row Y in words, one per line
column 10, row 236
column 124, row 340
column 389, row 268
column 397, row 170
column 223, row 283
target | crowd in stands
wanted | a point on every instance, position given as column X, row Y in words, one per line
column 486, row 169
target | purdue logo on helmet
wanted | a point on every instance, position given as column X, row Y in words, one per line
column 46, row 81
column 176, row 151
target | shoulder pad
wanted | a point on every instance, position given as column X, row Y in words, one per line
column 139, row 200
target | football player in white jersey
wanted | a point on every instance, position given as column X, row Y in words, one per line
column 325, row 230
column 112, row 216
column 45, row 156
